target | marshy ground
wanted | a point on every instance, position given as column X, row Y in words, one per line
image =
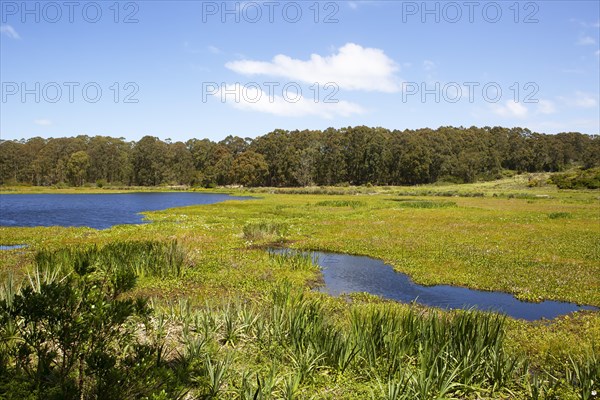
column 235, row 321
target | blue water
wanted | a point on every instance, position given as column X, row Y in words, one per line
column 12, row 246
column 98, row 211
column 344, row 273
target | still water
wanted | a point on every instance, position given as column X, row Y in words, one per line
column 344, row 273
column 98, row 211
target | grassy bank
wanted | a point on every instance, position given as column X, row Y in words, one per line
column 535, row 242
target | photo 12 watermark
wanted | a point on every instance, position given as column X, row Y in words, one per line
column 69, row 92
column 453, row 12
column 252, row 12
column 52, row 12
column 328, row 12
column 454, row 92
column 271, row 92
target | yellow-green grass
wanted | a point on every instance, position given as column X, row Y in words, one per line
column 492, row 243
column 502, row 243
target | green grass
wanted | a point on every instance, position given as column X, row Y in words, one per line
column 265, row 230
column 340, row 203
column 537, row 243
column 424, row 203
column 144, row 258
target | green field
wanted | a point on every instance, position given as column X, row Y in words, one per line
column 265, row 333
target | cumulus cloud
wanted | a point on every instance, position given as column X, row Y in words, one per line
column 353, row 67
column 510, row 109
column 9, row 31
column 288, row 104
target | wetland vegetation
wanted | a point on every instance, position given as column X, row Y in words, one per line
column 192, row 306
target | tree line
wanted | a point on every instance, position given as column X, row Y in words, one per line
column 354, row 155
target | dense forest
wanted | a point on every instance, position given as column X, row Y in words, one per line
column 354, row 155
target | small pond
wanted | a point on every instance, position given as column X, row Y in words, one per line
column 98, row 211
column 12, row 246
column 344, row 273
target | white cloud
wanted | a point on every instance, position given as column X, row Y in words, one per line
column 255, row 99
column 580, row 99
column 584, row 100
column 428, row 65
column 510, row 109
column 585, row 24
column 9, row 31
column 355, row 4
column 42, row 122
column 353, row 67
column 188, row 48
column 573, row 71
column 546, row 107
column 586, row 40
column 214, row 49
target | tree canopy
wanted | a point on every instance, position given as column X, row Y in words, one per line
column 353, row 155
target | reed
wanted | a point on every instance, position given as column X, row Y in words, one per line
column 143, row 258
column 261, row 230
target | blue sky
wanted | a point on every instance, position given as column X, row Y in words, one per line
column 185, row 69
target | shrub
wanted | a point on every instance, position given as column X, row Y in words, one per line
column 73, row 337
column 559, row 215
column 581, row 179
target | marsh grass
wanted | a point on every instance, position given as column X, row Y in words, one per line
column 584, row 374
column 424, row 203
column 9, row 287
column 143, row 258
column 341, row 203
column 439, row 193
column 265, row 230
column 288, row 342
column 294, row 260
column 419, row 355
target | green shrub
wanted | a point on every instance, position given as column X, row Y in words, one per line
column 76, row 337
column 580, row 179
column 559, row 215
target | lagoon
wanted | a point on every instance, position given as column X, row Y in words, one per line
column 344, row 274
column 99, row 211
